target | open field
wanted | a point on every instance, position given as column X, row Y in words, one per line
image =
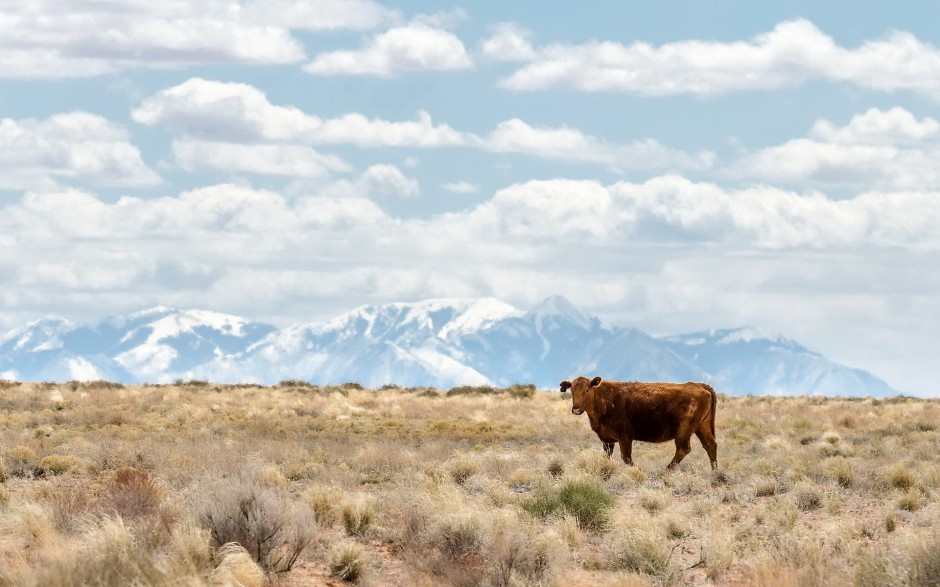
column 107, row 485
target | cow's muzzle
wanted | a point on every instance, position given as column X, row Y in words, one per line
column 577, row 411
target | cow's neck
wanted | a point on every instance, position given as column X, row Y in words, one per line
column 596, row 408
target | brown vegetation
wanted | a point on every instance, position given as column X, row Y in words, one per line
column 296, row 484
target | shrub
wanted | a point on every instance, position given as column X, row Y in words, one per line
column 57, row 464
column 766, row 487
column 272, row 531
column 348, row 562
column 521, row 390
column 459, row 537
column 134, row 493
column 294, row 383
column 556, row 468
column 597, row 464
column 324, row 502
column 841, row 470
column 542, row 504
column 807, row 498
column 899, row 477
column 472, row 390
column 236, row 567
column 101, row 384
column 358, row 517
column 640, row 551
column 462, row 468
column 20, row 461
column 69, row 505
column 587, row 502
column 911, row 500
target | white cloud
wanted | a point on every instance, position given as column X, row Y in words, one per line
column 53, row 39
column 224, row 111
column 791, row 54
column 412, row 47
column 508, row 42
column 377, row 180
column 672, row 209
column 281, row 160
column 232, row 112
column 71, row 147
column 357, row 129
column 318, row 15
column 881, row 149
column 388, row 180
column 877, row 127
column 461, row 187
column 570, row 144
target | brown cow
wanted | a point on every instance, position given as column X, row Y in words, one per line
column 651, row 412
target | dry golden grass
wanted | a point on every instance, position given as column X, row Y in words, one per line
column 202, row 484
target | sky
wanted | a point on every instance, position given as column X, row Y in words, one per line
column 673, row 166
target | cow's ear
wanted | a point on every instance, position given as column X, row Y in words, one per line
column 565, row 386
column 596, row 381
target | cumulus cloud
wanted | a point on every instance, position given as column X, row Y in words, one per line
column 508, row 42
column 570, row 144
column 233, row 112
column 295, row 161
column 378, row 180
column 672, row 209
column 412, row 47
column 357, row 129
column 883, row 149
column 320, row 15
column 53, row 39
column 224, row 111
column 70, row 147
column 791, row 54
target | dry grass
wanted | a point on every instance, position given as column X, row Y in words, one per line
column 298, row 484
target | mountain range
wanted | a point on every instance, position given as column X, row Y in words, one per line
column 437, row 342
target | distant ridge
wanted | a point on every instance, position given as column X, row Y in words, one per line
column 435, row 342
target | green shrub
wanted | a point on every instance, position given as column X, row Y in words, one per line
column 587, row 502
column 542, row 504
column 472, row 390
column 521, row 390
column 294, row 383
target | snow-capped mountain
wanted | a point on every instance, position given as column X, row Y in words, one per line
column 154, row 345
column 438, row 342
column 742, row 359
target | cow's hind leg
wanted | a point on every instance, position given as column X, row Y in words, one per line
column 608, row 448
column 683, row 447
column 707, row 438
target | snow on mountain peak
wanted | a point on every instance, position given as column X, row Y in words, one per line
column 479, row 315
column 559, row 306
column 171, row 323
column 39, row 335
column 747, row 334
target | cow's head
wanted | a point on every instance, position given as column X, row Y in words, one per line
column 582, row 392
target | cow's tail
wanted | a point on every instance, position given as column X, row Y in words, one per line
column 711, row 415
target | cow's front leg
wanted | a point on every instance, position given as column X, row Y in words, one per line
column 626, row 450
column 608, row 448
